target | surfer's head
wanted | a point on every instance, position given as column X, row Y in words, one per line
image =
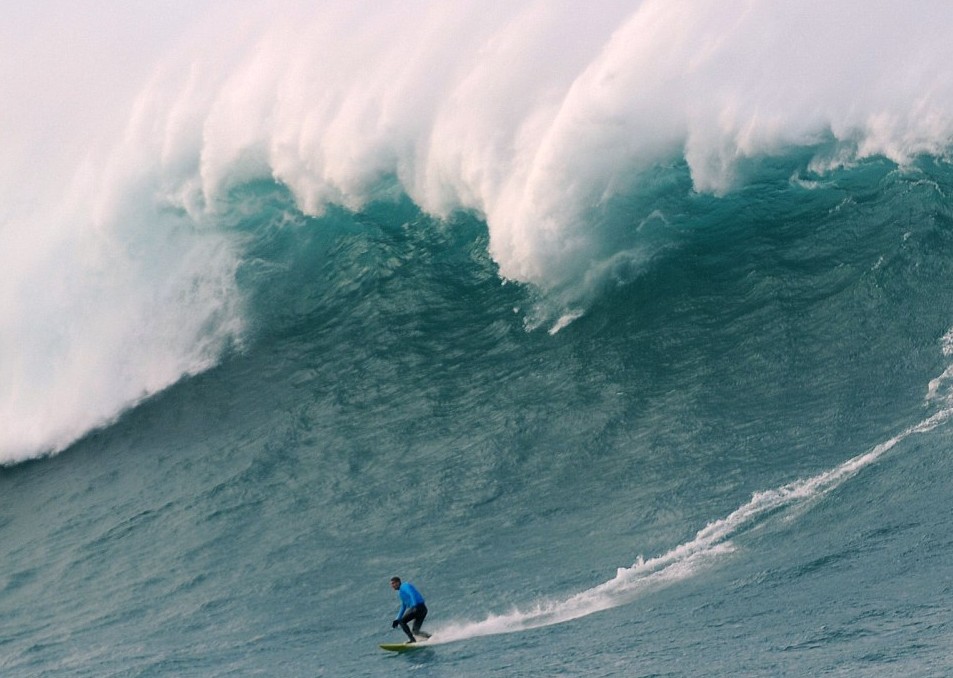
column 395, row 583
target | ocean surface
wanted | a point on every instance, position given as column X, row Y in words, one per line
column 624, row 331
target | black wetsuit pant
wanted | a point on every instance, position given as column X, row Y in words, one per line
column 417, row 614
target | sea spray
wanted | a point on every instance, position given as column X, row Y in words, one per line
column 537, row 118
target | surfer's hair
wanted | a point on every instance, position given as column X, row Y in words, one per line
column 395, row 579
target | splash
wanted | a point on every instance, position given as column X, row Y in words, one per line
column 125, row 133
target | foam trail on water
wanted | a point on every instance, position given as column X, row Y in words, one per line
column 710, row 545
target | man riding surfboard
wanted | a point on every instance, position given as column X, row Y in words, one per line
column 412, row 608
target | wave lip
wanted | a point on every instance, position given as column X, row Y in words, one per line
column 536, row 118
column 119, row 254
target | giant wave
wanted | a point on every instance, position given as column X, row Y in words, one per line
column 577, row 137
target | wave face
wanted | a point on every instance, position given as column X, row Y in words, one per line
column 629, row 323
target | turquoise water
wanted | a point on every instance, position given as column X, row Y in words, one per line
column 393, row 414
column 691, row 422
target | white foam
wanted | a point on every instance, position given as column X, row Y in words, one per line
column 532, row 114
column 565, row 320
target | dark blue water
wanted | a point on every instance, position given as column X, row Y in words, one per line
column 734, row 461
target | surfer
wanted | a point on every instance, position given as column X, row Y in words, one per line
column 412, row 608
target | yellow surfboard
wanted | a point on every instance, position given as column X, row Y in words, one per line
column 404, row 647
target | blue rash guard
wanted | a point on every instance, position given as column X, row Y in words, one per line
column 409, row 597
